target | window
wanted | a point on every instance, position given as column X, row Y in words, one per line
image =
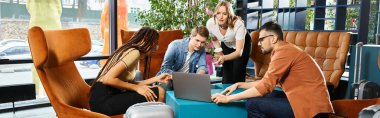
column 14, row 24
column 5, row 1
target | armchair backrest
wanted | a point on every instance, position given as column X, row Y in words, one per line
column 329, row 50
column 53, row 53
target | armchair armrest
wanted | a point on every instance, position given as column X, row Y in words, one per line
column 351, row 108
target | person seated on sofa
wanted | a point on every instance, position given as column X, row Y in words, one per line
column 304, row 87
column 114, row 90
column 186, row 55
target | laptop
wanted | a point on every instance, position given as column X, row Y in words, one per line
column 192, row 86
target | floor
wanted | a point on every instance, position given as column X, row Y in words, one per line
column 44, row 112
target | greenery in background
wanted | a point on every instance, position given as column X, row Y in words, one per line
column 309, row 15
column 309, row 19
column 372, row 23
column 330, row 13
column 176, row 14
column 352, row 13
column 186, row 14
column 292, row 3
column 179, row 14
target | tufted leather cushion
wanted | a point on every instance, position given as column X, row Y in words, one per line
column 165, row 37
column 329, row 49
column 53, row 54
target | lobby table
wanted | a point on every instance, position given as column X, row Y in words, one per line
column 196, row 109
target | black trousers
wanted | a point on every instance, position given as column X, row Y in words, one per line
column 111, row 101
column 235, row 70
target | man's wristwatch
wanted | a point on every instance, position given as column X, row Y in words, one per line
column 218, row 50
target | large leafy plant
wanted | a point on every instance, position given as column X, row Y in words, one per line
column 177, row 14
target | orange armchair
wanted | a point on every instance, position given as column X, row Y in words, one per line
column 53, row 54
column 165, row 37
column 351, row 108
column 260, row 60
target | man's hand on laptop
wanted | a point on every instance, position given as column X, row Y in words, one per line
column 230, row 89
column 164, row 78
column 220, row 98
column 224, row 96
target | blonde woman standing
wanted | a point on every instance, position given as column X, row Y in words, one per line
column 231, row 41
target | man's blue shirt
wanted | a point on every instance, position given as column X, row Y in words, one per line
column 175, row 57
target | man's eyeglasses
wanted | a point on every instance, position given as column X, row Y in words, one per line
column 262, row 38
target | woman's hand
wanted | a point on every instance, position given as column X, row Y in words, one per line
column 219, row 61
column 145, row 91
column 219, row 58
column 164, row 78
column 218, row 55
column 230, row 89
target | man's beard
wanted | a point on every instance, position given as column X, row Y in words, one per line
column 266, row 51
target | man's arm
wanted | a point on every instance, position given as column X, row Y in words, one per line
column 168, row 62
column 247, row 85
column 202, row 67
column 279, row 65
column 249, row 93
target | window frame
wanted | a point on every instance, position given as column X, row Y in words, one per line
column 113, row 46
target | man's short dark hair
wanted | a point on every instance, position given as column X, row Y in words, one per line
column 273, row 27
column 201, row 30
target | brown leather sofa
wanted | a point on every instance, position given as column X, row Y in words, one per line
column 53, row 54
column 351, row 108
column 165, row 37
column 329, row 49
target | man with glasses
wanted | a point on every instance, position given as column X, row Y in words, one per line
column 187, row 55
column 304, row 87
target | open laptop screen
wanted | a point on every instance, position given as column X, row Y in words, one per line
column 192, row 86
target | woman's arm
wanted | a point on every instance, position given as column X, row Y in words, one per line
column 163, row 78
column 111, row 77
column 148, row 81
column 240, row 33
column 211, row 26
column 237, row 53
column 216, row 44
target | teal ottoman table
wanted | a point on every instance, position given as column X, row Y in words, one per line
column 195, row 109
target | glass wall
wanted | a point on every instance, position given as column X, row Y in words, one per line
column 16, row 16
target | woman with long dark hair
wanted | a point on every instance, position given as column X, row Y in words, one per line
column 114, row 90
